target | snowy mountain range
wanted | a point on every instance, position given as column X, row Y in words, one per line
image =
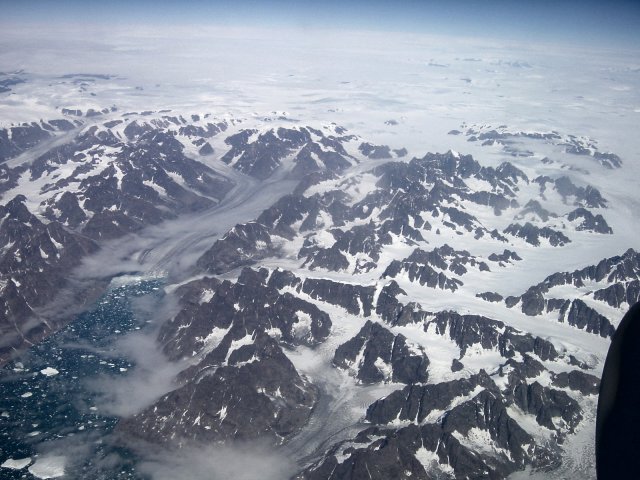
column 457, row 296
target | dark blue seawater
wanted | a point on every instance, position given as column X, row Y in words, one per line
column 56, row 414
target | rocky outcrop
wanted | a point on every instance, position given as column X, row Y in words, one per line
column 415, row 403
column 619, row 295
column 243, row 245
column 587, row 221
column 577, row 380
column 586, row 318
column 375, row 152
column 490, row 297
column 518, row 371
column 426, row 267
column 388, row 307
column 147, row 179
column 35, row 262
column 507, row 256
column 532, row 234
column 471, row 330
column 211, row 308
column 355, row 299
column 17, row 139
column 616, row 280
column 376, row 454
column 553, row 409
column 289, row 210
column 365, row 241
column 261, row 154
column 377, row 355
column 257, row 393
column 459, row 428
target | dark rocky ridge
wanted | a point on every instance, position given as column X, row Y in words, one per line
column 415, row 402
column 577, row 380
column 208, row 305
column 35, row 262
column 534, row 209
column 618, row 278
column 620, row 294
column 469, row 330
column 532, row 234
column 421, row 266
column 376, row 355
column 490, row 297
column 580, row 315
column 243, row 245
column 378, row 451
column 20, row 138
column 406, row 195
column 256, row 394
column 553, row 409
column 589, row 222
column 355, row 299
column 243, row 385
column 118, row 185
column 312, row 150
column 505, row 257
column 375, row 152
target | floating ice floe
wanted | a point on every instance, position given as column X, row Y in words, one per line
column 48, row 467
column 49, row 371
column 16, row 464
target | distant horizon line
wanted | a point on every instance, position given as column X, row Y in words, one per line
column 70, row 28
column 571, row 22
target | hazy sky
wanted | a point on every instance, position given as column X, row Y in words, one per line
column 612, row 23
